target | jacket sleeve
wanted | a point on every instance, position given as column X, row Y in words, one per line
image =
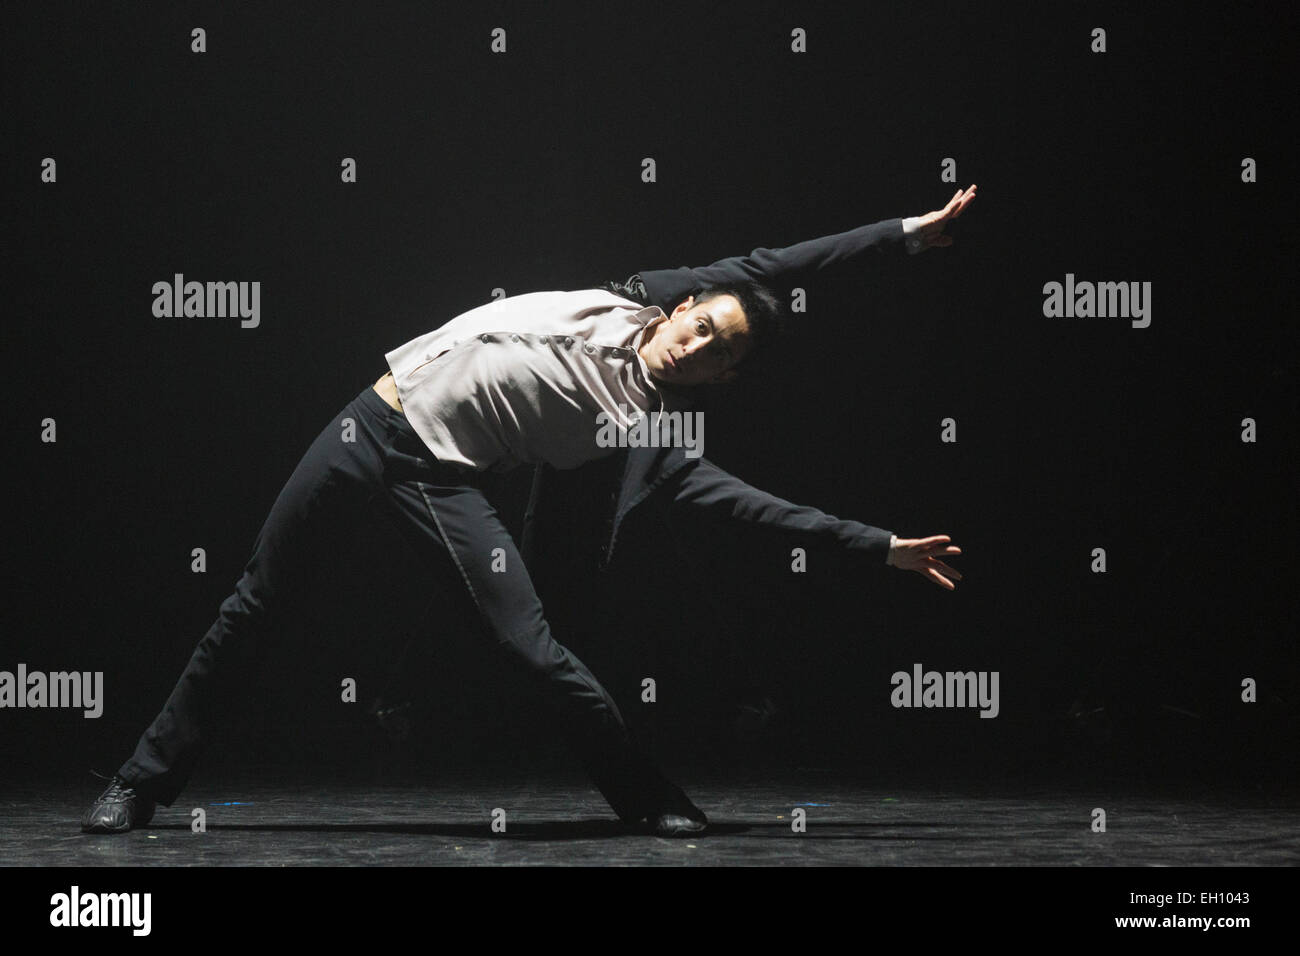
column 707, row 489
column 667, row 287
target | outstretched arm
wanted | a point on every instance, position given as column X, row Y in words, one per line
column 706, row 488
column 667, row 287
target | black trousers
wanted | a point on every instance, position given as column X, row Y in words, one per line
column 369, row 462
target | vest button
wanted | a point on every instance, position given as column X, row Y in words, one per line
column 514, row 338
column 485, row 337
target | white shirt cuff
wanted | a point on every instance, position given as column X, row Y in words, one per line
column 910, row 225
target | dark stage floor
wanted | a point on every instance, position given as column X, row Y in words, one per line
column 560, row 820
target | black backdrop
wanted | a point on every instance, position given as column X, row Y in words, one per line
column 522, row 170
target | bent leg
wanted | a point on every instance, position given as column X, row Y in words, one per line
column 451, row 520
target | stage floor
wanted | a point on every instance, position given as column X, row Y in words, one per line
column 561, row 820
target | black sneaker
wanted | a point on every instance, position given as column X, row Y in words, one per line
column 119, row 808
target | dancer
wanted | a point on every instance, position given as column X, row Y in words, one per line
column 526, row 379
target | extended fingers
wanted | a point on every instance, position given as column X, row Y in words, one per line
column 952, row 572
column 966, row 201
column 923, row 559
column 938, row 544
column 939, row 579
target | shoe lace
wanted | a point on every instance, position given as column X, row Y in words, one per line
column 117, row 788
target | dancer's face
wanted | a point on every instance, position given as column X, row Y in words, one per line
column 697, row 344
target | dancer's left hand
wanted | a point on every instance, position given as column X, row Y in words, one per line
column 921, row 555
column 932, row 224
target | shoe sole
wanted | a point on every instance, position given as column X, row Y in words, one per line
column 98, row 827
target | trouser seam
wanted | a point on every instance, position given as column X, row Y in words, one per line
column 595, row 688
column 451, row 547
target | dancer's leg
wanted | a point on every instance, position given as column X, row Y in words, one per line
column 331, row 485
column 470, row 534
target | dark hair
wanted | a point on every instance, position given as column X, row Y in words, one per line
column 764, row 315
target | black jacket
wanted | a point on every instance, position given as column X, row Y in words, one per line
column 696, row 484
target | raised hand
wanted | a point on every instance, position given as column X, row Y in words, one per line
column 932, row 224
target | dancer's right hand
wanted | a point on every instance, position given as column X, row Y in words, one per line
column 932, row 223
